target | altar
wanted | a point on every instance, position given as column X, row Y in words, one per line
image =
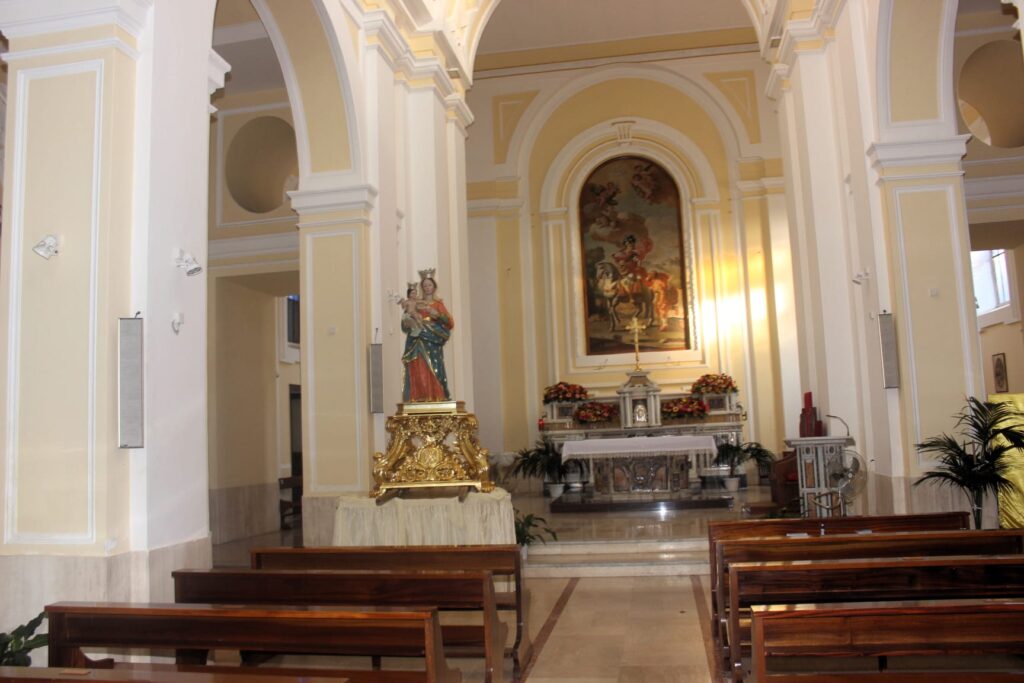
column 641, row 463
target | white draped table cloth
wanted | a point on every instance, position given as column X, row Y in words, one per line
column 699, row 449
column 433, row 519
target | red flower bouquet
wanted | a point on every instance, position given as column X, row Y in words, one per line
column 714, row 384
column 563, row 391
column 684, row 407
column 595, row 411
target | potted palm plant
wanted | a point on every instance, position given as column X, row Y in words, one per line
column 734, row 456
column 544, row 461
column 975, row 463
column 15, row 646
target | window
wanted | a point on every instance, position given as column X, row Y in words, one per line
column 993, row 274
column 292, row 317
column 288, row 334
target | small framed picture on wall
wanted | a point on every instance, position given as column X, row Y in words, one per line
column 1002, row 383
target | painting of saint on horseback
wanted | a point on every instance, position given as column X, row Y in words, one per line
column 631, row 234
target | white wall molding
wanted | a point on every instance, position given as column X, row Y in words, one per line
column 321, row 197
column 218, row 69
column 892, row 155
column 12, row 534
column 256, row 245
column 69, row 48
column 998, row 187
column 664, row 56
column 19, row 18
column 389, row 42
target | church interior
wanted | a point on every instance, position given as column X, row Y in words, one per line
column 252, row 249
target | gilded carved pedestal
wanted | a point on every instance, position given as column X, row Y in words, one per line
column 431, row 445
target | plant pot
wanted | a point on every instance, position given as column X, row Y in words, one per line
column 554, row 490
column 732, row 484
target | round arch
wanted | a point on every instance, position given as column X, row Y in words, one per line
column 914, row 72
column 541, row 109
column 318, row 64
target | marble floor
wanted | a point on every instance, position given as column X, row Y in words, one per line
column 635, row 526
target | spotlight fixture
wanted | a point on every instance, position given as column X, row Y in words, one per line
column 47, row 247
column 187, row 262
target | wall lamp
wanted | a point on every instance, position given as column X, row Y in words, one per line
column 187, row 262
column 47, row 247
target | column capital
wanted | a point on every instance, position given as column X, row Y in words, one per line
column 895, row 155
column 19, row 18
column 318, row 195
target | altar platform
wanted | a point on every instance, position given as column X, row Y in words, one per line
column 588, row 501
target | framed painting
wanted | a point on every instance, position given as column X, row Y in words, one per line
column 631, row 241
column 1002, row 381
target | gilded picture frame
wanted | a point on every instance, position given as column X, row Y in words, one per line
column 633, row 258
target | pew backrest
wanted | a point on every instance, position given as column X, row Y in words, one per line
column 193, row 630
column 867, row 580
column 774, row 528
column 853, row 546
column 14, row 674
column 845, row 631
column 500, row 560
column 444, row 590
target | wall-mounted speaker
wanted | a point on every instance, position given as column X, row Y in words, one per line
column 130, row 384
column 376, row 382
column 890, row 352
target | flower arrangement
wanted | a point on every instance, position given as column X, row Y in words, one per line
column 684, row 407
column 563, row 391
column 595, row 411
column 714, row 384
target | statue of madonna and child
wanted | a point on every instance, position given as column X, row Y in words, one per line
column 427, row 325
column 432, row 439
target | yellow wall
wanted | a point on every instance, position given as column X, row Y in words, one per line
column 245, row 364
column 72, row 114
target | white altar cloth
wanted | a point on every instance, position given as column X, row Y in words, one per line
column 640, row 445
column 647, row 463
column 425, row 519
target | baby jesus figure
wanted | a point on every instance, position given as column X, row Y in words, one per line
column 411, row 318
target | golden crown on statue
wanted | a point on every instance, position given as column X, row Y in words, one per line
column 411, row 285
column 429, row 272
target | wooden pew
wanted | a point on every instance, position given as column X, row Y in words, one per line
column 927, row 629
column 500, row 560
column 194, row 630
column 865, row 580
column 15, row 674
column 773, row 528
column 444, row 590
column 852, row 546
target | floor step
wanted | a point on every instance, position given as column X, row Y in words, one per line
column 624, row 547
column 618, row 558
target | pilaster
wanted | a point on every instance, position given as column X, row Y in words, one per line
column 334, row 245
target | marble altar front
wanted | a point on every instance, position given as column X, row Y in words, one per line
column 644, row 463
